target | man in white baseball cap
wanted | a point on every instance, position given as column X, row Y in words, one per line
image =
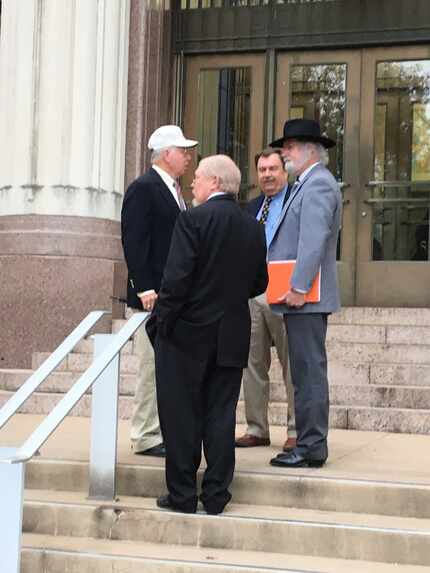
column 151, row 205
column 169, row 136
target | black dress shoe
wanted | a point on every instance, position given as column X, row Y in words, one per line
column 295, row 460
column 164, row 502
column 213, row 510
column 156, row 451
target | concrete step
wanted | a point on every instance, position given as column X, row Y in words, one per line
column 51, row 554
column 342, row 417
column 271, row 486
column 382, row 316
column 386, row 353
column 362, row 315
column 400, row 374
column 359, row 354
column 57, row 382
column 365, row 418
column 343, row 372
column 244, row 528
column 79, row 362
column 380, row 396
column 414, row 397
column 86, row 346
column 44, row 402
column 383, row 334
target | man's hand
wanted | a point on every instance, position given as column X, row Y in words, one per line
column 148, row 300
column 293, row 299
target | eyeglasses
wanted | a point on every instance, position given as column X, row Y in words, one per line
column 183, row 150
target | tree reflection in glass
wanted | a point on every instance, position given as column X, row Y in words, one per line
column 402, row 160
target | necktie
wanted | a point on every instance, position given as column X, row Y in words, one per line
column 181, row 201
column 265, row 210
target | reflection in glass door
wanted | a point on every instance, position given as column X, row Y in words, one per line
column 401, row 187
column 224, row 101
column 318, row 92
column 393, row 223
column 223, row 110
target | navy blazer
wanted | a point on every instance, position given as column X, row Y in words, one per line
column 254, row 205
column 148, row 216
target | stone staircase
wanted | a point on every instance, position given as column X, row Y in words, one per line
column 379, row 372
column 302, row 521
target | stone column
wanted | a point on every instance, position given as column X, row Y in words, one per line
column 63, row 101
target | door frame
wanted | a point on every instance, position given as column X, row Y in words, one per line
column 383, row 283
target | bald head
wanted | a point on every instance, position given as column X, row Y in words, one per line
column 216, row 173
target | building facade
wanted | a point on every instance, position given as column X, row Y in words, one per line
column 84, row 82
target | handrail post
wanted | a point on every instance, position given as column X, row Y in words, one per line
column 104, row 425
column 12, row 491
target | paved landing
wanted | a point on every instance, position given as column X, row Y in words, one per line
column 353, row 455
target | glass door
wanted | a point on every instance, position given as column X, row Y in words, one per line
column 224, row 110
column 325, row 86
column 393, row 265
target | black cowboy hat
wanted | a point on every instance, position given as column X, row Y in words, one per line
column 303, row 130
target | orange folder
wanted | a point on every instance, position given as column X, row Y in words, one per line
column 280, row 273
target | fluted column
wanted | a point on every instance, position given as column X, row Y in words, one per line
column 63, row 102
column 63, row 90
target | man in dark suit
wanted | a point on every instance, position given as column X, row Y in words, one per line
column 217, row 261
column 307, row 232
column 267, row 327
column 150, row 208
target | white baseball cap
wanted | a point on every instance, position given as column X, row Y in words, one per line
column 169, row 136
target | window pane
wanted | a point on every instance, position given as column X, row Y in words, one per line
column 318, row 92
column 224, row 116
column 402, row 161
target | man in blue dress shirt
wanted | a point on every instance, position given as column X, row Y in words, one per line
column 267, row 328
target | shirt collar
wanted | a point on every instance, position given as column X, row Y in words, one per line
column 306, row 171
column 216, row 194
column 168, row 179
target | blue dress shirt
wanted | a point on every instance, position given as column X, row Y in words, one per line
column 274, row 213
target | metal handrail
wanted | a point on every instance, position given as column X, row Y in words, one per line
column 48, row 366
column 416, row 200
column 405, row 184
column 81, row 386
column 104, row 421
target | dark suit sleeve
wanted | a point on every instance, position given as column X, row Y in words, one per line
column 136, row 235
column 253, row 206
column 178, row 273
column 261, row 278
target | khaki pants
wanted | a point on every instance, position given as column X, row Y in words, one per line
column 266, row 327
column 145, row 426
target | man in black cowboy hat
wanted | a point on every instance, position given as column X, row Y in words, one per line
column 307, row 232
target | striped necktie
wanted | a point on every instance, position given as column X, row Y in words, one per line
column 265, row 210
column 181, row 201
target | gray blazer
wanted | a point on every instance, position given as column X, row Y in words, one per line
column 307, row 231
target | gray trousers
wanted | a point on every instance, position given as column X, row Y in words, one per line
column 308, row 363
column 266, row 327
column 145, row 426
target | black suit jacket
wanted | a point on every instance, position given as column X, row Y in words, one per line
column 148, row 217
column 217, row 261
column 253, row 206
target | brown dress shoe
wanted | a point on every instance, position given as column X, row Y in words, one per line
column 250, row 441
column 290, row 444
